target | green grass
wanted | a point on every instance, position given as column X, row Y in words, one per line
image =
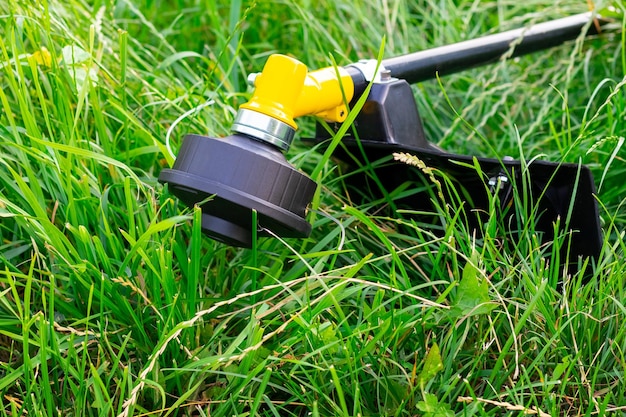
column 112, row 302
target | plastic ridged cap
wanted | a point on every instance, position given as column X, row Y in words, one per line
column 232, row 176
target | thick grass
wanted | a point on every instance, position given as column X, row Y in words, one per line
column 112, row 302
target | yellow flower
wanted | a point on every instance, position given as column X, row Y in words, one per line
column 43, row 57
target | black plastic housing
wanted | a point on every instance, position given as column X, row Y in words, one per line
column 560, row 197
column 553, row 193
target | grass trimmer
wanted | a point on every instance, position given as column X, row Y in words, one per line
column 233, row 176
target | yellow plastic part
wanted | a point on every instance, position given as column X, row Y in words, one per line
column 286, row 90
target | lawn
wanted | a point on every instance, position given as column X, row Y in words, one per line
column 113, row 302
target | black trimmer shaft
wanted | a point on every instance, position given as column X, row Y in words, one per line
column 443, row 60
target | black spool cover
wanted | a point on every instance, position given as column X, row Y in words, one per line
column 236, row 175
